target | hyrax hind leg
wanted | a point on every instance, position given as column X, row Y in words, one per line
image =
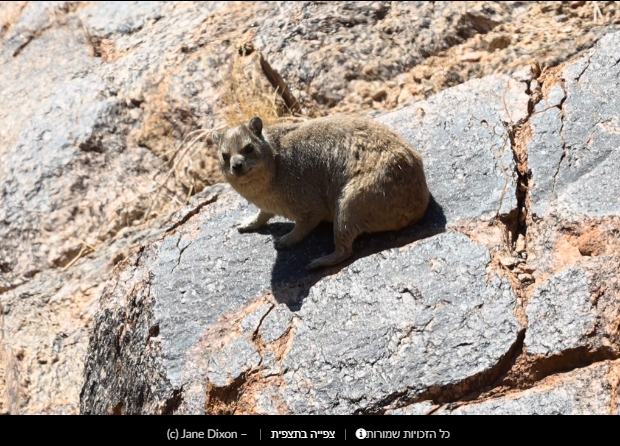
column 302, row 228
column 255, row 222
column 346, row 229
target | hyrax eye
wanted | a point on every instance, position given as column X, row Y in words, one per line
column 225, row 157
column 248, row 149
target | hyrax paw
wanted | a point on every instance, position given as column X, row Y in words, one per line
column 283, row 242
column 315, row 264
column 246, row 226
column 328, row 260
column 321, row 262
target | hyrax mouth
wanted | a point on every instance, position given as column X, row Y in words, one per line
column 240, row 172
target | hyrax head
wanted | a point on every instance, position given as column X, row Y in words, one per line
column 244, row 154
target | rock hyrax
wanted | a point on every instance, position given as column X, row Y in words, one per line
column 353, row 172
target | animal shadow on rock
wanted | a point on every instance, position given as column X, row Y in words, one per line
column 291, row 281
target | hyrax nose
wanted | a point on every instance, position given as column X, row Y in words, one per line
column 237, row 166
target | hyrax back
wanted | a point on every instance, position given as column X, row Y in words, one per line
column 354, row 172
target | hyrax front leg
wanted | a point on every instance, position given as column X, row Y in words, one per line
column 302, row 228
column 256, row 222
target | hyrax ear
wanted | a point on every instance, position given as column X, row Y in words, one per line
column 215, row 136
column 256, row 125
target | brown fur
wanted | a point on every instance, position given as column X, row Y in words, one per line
column 354, row 172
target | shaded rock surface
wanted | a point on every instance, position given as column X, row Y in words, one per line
column 97, row 97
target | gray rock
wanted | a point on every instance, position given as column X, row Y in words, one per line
column 572, row 242
column 587, row 391
column 397, row 324
column 266, row 401
column 573, row 154
column 554, row 98
column 583, row 148
column 75, row 167
column 239, row 356
column 574, row 309
column 275, row 324
column 116, row 19
column 46, row 323
column 462, row 134
column 73, row 177
column 251, row 323
column 219, row 264
column 560, row 314
column 35, row 19
column 321, row 48
column 545, row 151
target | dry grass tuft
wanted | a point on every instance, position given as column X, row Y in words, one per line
column 247, row 92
